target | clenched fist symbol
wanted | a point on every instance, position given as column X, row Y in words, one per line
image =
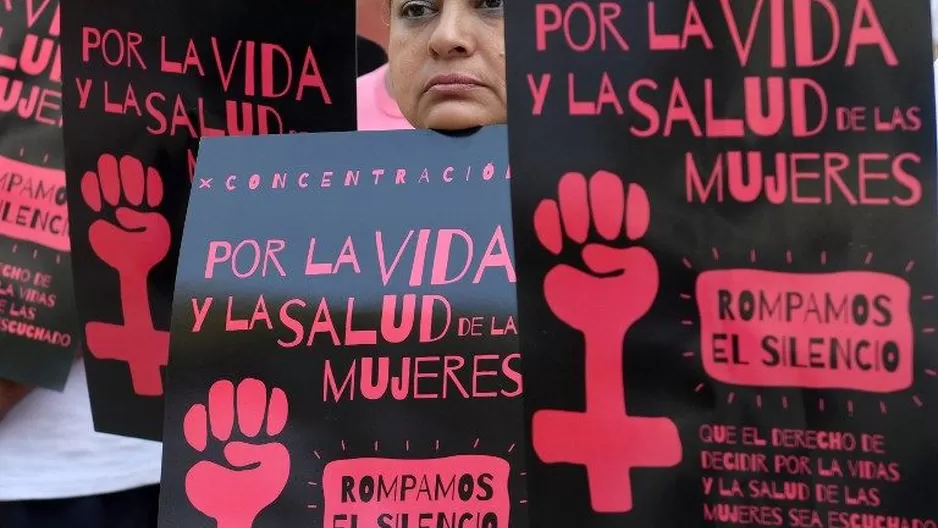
column 254, row 472
column 618, row 285
column 138, row 237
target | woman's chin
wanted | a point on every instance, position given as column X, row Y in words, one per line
column 459, row 115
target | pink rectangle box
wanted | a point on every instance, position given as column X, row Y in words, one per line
column 32, row 204
column 469, row 491
column 846, row 330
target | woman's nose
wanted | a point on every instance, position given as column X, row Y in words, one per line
column 453, row 36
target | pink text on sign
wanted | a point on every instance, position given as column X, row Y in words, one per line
column 847, row 330
column 463, row 491
column 32, row 204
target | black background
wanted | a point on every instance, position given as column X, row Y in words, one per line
column 38, row 144
column 658, row 380
column 295, row 215
column 327, row 27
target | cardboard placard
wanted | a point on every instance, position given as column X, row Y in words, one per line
column 38, row 323
column 144, row 81
column 726, row 262
column 344, row 351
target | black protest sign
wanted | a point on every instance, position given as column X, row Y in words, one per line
column 38, row 323
column 726, row 262
column 344, row 351
column 143, row 82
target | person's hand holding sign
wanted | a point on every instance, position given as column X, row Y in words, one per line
column 133, row 242
column 603, row 301
column 255, row 472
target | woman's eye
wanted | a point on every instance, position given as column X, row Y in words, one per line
column 416, row 10
column 491, row 4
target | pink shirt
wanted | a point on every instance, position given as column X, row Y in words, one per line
column 377, row 110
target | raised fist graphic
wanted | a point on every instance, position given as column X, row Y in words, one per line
column 131, row 238
column 139, row 238
column 254, row 473
column 617, row 287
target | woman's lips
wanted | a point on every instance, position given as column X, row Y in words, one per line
column 453, row 84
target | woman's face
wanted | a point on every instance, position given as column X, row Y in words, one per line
column 447, row 62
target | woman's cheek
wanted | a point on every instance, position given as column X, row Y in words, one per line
column 399, row 83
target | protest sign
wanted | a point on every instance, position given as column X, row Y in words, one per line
column 344, row 350
column 727, row 262
column 38, row 323
column 145, row 80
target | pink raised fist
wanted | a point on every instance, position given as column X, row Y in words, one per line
column 254, row 473
column 617, row 287
column 131, row 238
column 139, row 239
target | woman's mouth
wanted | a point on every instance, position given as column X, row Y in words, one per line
column 452, row 84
